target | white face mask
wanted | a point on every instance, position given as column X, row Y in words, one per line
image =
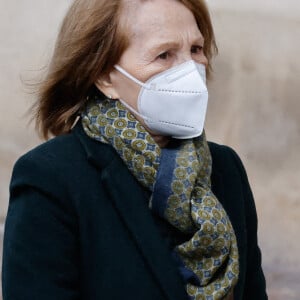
column 173, row 102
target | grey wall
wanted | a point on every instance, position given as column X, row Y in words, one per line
column 253, row 107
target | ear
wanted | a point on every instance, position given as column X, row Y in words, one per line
column 104, row 84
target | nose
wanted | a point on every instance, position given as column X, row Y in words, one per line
column 186, row 56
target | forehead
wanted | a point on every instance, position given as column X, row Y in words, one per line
column 158, row 20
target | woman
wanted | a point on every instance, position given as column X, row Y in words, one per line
column 132, row 202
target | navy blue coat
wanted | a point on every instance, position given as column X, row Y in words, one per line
column 78, row 227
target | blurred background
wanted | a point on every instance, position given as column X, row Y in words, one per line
column 254, row 107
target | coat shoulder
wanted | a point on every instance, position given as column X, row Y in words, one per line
column 227, row 163
column 218, row 150
column 48, row 165
column 57, row 148
column 224, row 156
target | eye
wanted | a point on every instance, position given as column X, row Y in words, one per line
column 164, row 55
column 196, row 49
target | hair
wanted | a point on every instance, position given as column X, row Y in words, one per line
column 90, row 42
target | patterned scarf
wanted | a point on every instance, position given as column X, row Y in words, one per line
column 179, row 179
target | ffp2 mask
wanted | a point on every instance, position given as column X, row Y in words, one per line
column 173, row 102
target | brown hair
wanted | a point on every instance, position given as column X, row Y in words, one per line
column 90, row 42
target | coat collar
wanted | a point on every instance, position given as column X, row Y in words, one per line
column 217, row 185
column 99, row 154
column 129, row 199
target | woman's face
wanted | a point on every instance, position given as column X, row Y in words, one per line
column 162, row 34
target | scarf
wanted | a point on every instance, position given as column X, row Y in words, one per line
column 178, row 178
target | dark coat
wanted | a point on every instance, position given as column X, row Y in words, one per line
column 78, row 227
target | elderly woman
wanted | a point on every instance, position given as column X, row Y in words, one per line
column 131, row 202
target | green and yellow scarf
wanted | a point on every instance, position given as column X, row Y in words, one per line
column 179, row 180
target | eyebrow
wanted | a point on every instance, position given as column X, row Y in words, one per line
column 165, row 45
column 158, row 47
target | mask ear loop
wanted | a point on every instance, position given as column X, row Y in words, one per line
column 132, row 110
column 125, row 73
